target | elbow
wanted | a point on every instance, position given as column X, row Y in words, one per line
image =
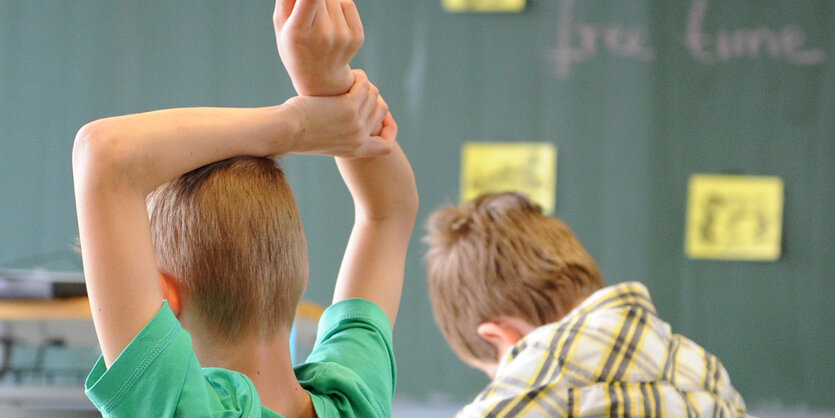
column 82, row 147
column 412, row 202
column 408, row 201
column 397, row 209
column 96, row 154
column 407, row 204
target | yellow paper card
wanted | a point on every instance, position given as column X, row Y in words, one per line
column 734, row 217
column 484, row 5
column 526, row 167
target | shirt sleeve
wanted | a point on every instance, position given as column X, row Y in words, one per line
column 114, row 389
column 351, row 370
column 158, row 375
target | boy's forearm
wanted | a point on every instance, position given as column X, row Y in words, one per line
column 143, row 151
column 383, row 188
column 139, row 152
column 386, row 203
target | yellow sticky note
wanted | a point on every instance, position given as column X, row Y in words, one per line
column 734, row 217
column 484, row 5
column 526, row 167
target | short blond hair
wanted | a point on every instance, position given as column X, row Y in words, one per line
column 230, row 233
column 500, row 256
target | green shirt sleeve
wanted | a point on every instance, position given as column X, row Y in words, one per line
column 351, row 370
column 158, row 375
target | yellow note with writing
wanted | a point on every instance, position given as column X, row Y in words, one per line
column 527, row 167
column 734, row 217
column 504, row 6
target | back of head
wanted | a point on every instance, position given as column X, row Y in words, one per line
column 500, row 256
column 231, row 234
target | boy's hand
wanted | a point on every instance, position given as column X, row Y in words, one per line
column 344, row 126
column 316, row 41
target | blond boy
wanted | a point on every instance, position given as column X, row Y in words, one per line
column 193, row 295
column 539, row 321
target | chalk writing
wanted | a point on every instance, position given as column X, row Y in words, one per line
column 578, row 42
column 727, row 44
column 626, row 41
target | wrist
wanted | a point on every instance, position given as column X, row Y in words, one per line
column 335, row 84
column 288, row 128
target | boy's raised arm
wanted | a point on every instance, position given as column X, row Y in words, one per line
column 386, row 202
column 118, row 161
column 383, row 188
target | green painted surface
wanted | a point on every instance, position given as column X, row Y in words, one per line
column 664, row 89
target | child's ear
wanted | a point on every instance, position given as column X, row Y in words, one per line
column 171, row 291
column 504, row 332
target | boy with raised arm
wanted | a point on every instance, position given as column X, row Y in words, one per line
column 195, row 257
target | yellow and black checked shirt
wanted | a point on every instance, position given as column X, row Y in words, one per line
column 611, row 356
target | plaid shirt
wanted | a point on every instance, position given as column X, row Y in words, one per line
column 611, row 356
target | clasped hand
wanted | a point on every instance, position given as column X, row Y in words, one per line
column 344, row 126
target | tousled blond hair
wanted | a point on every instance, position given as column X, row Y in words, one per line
column 500, row 256
column 231, row 234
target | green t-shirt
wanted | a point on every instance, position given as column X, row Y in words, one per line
column 350, row 372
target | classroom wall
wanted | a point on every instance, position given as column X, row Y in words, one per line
column 636, row 94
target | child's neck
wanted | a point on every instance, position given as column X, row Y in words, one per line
column 268, row 365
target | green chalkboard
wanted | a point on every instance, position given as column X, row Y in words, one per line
column 637, row 96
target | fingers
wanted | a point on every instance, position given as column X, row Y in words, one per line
column 383, row 143
column 369, row 104
column 361, row 84
column 302, row 12
column 361, row 93
column 353, row 21
column 352, row 18
column 375, row 120
column 372, row 107
column 345, row 34
column 335, row 12
column 374, row 111
column 389, row 132
column 282, row 11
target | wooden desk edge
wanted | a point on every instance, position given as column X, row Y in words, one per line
column 21, row 310
column 79, row 308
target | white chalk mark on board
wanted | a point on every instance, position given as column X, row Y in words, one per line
column 578, row 42
column 787, row 42
column 617, row 39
